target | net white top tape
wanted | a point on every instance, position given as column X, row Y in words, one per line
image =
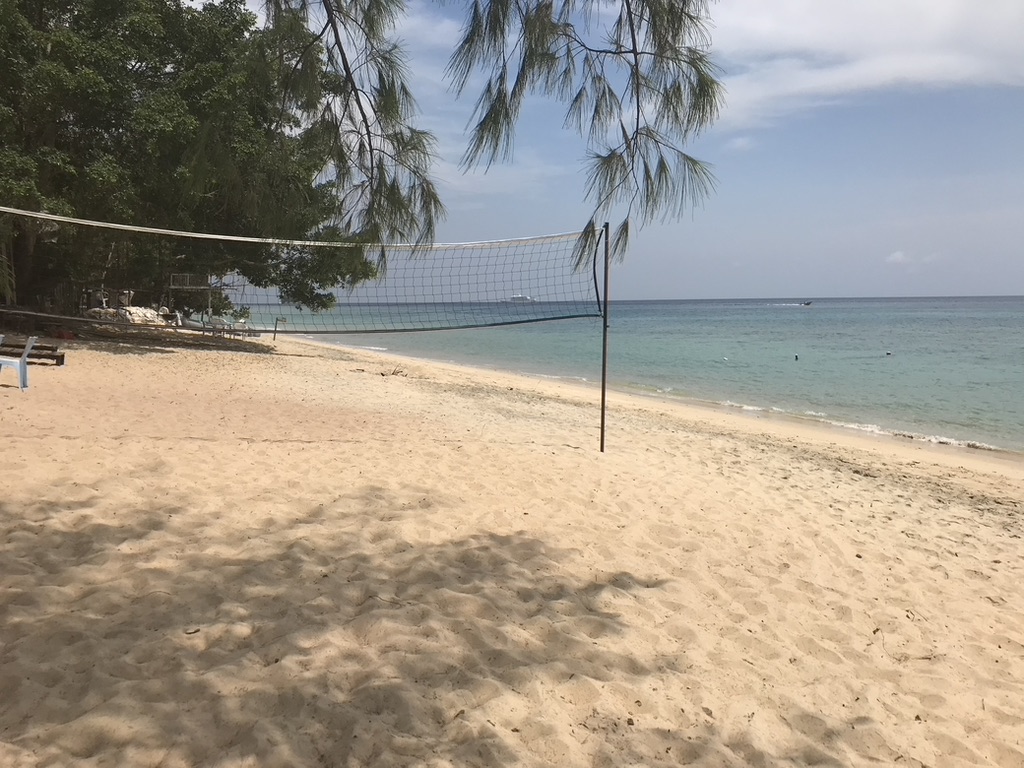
column 263, row 240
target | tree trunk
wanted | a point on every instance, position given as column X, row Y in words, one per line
column 23, row 251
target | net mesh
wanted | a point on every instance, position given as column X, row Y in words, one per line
column 417, row 288
column 440, row 287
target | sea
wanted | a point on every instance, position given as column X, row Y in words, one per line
column 945, row 370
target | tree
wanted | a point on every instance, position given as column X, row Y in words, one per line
column 379, row 161
column 635, row 75
column 638, row 88
column 181, row 117
column 65, row 79
column 195, row 119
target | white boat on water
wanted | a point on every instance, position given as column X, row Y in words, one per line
column 520, row 298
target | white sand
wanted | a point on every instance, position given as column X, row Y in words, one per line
column 334, row 558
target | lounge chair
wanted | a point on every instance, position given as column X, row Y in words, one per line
column 19, row 364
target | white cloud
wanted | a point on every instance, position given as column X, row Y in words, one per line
column 739, row 144
column 424, row 28
column 531, row 176
column 788, row 55
column 910, row 260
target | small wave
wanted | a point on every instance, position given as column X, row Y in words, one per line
column 874, row 429
column 741, row 406
column 372, row 349
column 941, row 440
column 907, row 435
column 555, row 377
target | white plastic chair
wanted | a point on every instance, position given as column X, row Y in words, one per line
column 20, row 364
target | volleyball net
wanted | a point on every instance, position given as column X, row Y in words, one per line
column 150, row 277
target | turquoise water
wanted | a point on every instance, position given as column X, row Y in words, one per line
column 941, row 369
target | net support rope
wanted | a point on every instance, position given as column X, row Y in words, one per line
column 424, row 287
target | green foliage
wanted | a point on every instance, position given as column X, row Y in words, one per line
column 178, row 117
column 194, row 118
column 636, row 89
column 378, row 161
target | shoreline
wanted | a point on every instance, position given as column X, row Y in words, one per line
column 746, row 412
column 323, row 554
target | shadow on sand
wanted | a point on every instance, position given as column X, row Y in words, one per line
column 325, row 640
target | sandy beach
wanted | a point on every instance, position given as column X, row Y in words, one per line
column 318, row 557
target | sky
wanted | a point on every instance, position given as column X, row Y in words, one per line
column 865, row 148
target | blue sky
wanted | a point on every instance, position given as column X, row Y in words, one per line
column 866, row 148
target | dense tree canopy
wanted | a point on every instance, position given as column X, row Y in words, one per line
column 195, row 118
column 179, row 117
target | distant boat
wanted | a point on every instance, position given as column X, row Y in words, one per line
column 805, row 304
column 520, row 298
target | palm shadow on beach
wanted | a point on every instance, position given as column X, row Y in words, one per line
column 309, row 643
